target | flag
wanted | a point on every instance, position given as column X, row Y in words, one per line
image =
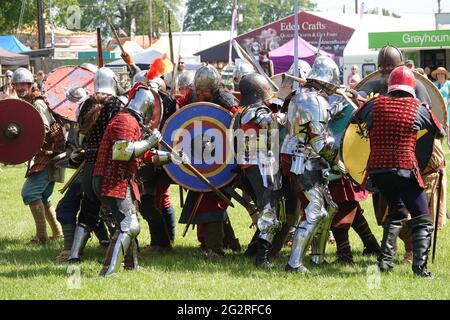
column 361, row 10
column 133, row 28
column 233, row 31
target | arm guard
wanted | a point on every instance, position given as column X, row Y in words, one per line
column 124, row 150
column 161, row 158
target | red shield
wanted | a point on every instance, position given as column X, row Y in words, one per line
column 60, row 81
column 21, row 131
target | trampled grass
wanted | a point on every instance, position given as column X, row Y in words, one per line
column 28, row 272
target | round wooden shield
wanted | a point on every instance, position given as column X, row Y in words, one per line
column 59, row 81
column 437, row 101
column 200, row 130
column 21, row 131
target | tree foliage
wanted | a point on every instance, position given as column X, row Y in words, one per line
column 94, row 13
column 10, row 13
column 216, row 15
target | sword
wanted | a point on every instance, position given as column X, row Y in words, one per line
column 73, row 177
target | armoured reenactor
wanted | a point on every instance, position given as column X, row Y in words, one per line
column 393, row 122
column 389, row 58
column 214, row 229
column 309, row 144
column 122, row 147
column 41, row 174
column 259, row 158
column 95, row 114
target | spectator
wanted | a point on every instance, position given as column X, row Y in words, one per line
column 410, row 64
column 180, row 65
column 353, row 78
column 7, row 89
column 427, row 71
column 265, row 63
column 40, row 78
column 441, row 75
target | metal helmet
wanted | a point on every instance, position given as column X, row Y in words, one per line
column 242, row 69
column 390, row 57
column 254, row 88
column 207, row 77
column 76, row 94
column 142, row 103
column 186, row 79
column 22, row 75
column 141, row 76
column 303, row 69
column 105, row 81
column 90, row 66
column 157, row 84
column 324, row 70
column 402, row 79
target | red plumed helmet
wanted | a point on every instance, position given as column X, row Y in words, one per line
column 402, row 78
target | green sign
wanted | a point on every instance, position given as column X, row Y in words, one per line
column 410, row 39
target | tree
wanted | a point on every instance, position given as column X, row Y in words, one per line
column 121, row 13
column 216, row 15
column 208, row 15
column 273, row 10
column 10, row 13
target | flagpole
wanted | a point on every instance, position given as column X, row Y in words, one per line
column 233, row 24
column 295, row 84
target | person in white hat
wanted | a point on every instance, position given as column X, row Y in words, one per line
column 441, row 75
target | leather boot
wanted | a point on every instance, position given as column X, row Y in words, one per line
column 50, row 216
column 101, row 232
column 229, row 240
column 253, row 245
column 361, row 227
column 38, row 212
column 343, row 245
column 421, row 231
column 262, row 254
column 389, row 243
column 405, row 235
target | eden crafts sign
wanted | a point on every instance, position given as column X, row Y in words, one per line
column 410, row 39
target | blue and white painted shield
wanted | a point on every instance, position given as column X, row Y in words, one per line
column 201, row 131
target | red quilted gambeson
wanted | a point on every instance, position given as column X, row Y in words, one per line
column 117, row 174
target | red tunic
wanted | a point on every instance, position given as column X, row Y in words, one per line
column 118, row 174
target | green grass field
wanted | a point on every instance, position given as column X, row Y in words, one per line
column 30, row 272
